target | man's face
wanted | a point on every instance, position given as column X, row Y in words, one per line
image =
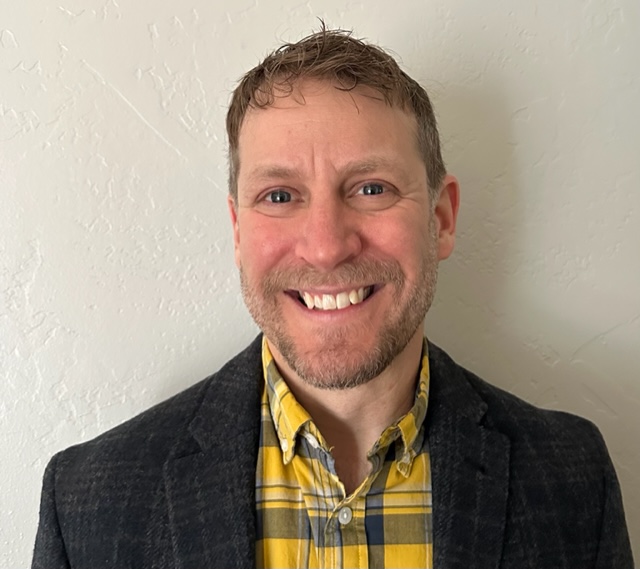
column 333, row 212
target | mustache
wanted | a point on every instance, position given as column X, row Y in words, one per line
column 363, row 272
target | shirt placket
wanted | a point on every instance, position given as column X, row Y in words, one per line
column 350, row 527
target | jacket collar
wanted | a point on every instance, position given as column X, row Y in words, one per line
column 470, row 471
column 210, row 477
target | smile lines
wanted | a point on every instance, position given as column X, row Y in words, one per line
column 335, row 302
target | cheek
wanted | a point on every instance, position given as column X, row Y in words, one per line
column 262, row 245
column 404, row 240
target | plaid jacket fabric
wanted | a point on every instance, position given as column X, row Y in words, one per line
column 513, row 486
column 304, row 517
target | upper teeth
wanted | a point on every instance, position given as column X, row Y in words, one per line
column 335, row 302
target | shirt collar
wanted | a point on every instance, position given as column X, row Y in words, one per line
column 408, row 429
column 290, row 418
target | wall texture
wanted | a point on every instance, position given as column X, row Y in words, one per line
column 117, row 285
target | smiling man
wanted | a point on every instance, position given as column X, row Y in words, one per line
column 341, row 437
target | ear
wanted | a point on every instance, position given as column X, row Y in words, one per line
column 446, row 214
column 233, row 213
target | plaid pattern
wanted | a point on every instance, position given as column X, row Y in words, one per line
column 304, row 518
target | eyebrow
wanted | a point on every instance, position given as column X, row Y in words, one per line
column 271, row 172
column 364, row 166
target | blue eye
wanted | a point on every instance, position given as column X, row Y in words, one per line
column 372, row 189
column 279, row 196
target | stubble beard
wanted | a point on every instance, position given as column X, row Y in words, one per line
column 336, row 362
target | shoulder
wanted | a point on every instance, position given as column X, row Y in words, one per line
column 533, row 430
column 143, row 443
column 101, row 496
column 147, row 437
column 563, row 494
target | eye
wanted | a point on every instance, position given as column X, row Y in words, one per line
column 373, row 195
column 278, row 196
column 372, row 189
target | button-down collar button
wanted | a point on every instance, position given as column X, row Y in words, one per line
column 345, row 515
column 312, row 440
column 284, row 445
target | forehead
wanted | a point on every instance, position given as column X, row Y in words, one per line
column 316, row 120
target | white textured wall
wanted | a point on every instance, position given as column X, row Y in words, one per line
column 117, row 286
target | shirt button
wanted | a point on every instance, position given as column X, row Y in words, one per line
column 345, row 515
column 312, row 441
column 284, row 445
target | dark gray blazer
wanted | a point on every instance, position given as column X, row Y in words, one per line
column 514, row 487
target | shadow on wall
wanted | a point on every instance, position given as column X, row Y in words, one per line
column 504, row 334
column 476, row 144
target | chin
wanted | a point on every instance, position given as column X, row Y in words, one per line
column 335, row 363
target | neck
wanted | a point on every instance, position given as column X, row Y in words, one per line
column 351, row 420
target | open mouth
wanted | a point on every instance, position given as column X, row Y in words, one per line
column 337, row 301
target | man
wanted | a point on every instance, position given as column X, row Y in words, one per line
column 341, row 438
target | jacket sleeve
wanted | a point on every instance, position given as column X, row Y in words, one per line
column 614, row 549
column 49, row 551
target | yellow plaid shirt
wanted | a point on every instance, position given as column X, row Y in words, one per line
column 304, row 518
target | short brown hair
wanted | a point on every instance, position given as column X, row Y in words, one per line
column 334, row 55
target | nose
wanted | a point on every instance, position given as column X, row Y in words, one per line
column 329, row 234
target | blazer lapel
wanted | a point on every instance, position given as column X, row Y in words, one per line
column 470, row 472
column 210, row 477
